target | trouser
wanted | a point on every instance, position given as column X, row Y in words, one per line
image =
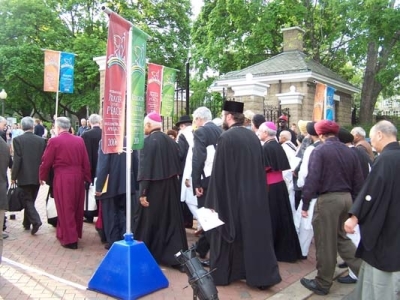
column 31, row 216
column 203, row 246
column 2, row 213
column 330, row 213
column 114, row 218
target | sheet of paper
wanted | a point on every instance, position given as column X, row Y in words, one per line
column 208, row 218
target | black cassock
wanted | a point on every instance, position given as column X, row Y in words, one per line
column 160, row 225
column 286, row 241
column 377, row 208
column 242, row 248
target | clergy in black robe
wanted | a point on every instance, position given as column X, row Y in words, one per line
column 376, row 209
column 159, row 222
column 242, row 248
column 286, row 241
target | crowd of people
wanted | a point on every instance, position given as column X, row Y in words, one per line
column 275, row 188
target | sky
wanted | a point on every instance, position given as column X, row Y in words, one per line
column 196, row 7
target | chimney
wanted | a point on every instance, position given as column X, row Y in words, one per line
column 293, row 39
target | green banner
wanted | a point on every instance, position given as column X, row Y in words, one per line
column 168, row 92
column 138, row 70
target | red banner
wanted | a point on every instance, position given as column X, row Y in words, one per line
column 51, row 70
column 319, row 100
column 115, row 85
column 153, row 94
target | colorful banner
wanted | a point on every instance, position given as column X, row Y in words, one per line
column 330, row 104
column 168, row 92
column 115, row 85
column 319, row 100
column 138, row 81
column 51, row 70
column 67, row 62
column 153, row 94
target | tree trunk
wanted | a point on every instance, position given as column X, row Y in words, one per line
column 371, row 87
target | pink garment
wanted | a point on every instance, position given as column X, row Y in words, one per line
column 274, row 177
column 67, row 155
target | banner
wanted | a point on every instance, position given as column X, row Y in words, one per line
column 115, row 85
column 138, row 70
column 168, row 92
column 51, row 70
column 319, row 100
column 330, row 104
column 67, row 62
column 153, row 94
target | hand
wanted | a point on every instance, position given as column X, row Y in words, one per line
column 98, row 194
column 199, row 192
column 42, row 182
column 187, row 182
column 304, row 213
column 143, row 201
column 350, row 224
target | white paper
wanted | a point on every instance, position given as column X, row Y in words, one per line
column 208, row 218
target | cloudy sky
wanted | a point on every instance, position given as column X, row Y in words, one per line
column 196, row 7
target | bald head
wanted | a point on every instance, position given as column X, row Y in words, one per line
column 381, row 134
column 285, row 136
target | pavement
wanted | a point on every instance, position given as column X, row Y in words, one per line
column 38, row 267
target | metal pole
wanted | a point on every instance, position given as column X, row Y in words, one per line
column 187, row 86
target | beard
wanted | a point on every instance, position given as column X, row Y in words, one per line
column 225, row 126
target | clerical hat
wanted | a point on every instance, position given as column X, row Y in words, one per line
column 183, row 120
column 233, row 106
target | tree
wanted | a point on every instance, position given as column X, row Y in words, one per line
column 374, row 45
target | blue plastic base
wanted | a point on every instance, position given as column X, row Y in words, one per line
column 128, row 271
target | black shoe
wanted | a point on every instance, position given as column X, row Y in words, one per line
column 205, row 263
column 312, row 285
column 27, row 227
column 201, row 255
column 35, row 228
column 346, row 279
column 303, row 257
column 180, row 268
column 90, row 221
column 71, row 246
column 343, row 265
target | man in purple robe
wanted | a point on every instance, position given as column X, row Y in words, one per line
column 67, row 155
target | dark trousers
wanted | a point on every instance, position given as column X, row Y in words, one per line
column 330, row 213
column 203, row 245
column 31, row 216
column 114, row 217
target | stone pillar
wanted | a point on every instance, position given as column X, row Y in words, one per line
column 101, row 61
column 294, row 101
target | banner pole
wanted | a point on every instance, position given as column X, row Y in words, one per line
column 58, row 85
column 128, row 122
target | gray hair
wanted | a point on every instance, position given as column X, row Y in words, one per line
column 358, row 130
column 94, row 119
column 386, row 127
column 27, row 123
column 286, row 134
column 63, row 123
column 2, row 119
column 202, row 113
column 264, row 128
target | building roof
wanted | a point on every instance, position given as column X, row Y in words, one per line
column 289, row 62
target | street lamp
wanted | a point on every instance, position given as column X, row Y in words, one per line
column 3, row 97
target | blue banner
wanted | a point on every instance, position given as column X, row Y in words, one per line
column 67, row 61
column 330, row 104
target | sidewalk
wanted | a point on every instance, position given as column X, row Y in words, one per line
column 37, row 267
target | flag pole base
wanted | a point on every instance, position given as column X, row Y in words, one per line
column 128, row 271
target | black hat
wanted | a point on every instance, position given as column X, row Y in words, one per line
column 184, row 119
column 345, row 136
column 258, row 120
column 233, row 106
column 311, row 129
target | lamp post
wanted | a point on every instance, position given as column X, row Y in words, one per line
column 3, row 97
